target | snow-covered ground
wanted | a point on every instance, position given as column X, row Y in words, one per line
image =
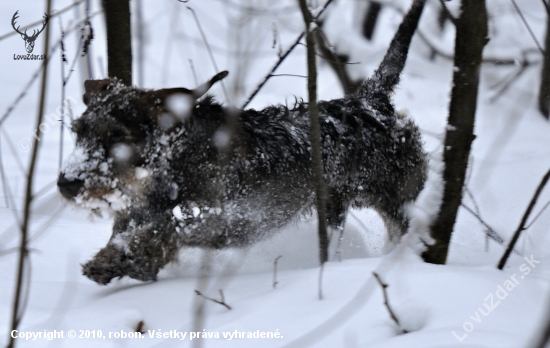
column 467, row 302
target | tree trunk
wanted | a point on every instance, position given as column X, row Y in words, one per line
column 471, row 37
column 544, row 91
column 119, row 39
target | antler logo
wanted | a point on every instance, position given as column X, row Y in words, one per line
column 29, row 40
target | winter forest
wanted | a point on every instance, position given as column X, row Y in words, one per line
column 253, row 173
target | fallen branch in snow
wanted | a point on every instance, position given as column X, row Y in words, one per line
column 386, row 302
column 222, row 302
column 139, row 327
column 523, row 222
column 275, row 282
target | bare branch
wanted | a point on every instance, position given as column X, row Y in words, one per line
column 447, row 12
column 386, row 301
column 337, row 63
column 209, row 51
column 282, row 58
column 222, row 302
column 528, row 27
column 490, row 231
column 523, row 222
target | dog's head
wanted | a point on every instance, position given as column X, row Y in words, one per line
column 109, row 166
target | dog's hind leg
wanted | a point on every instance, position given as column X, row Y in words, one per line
column 337, row 209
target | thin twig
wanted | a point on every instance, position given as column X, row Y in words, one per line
column 13, row 150
column 3, row 177
column 447, row 12
column 523, row 222
column 490, row 231
column 289, row 75
column 140, row 42
column 62, row 125
column 528, row 27
column 386, row 301
column 275, row 262
column 17, row 314
column 546, row 7
column 277, row 42
column 282, row 58
column 336, row 63
column 209, row 51
column 222, row 302
column 10, row 197
column 508, row 83
column 538, row 215
column 192, row 67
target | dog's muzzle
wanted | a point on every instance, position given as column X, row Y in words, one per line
column 69, row 188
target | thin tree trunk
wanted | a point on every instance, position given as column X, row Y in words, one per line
column 119, row 39
column 315, row 136
column 544, row 91
column 471, row 37
column 17, row 313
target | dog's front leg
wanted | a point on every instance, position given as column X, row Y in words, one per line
column 141, row 244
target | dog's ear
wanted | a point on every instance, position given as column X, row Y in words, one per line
column 177, row 103
column 196, row 93
column 202, row 89
column 163, row 94
column 94, row 86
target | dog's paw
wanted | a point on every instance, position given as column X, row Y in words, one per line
column 112, row 262
column 101, row 272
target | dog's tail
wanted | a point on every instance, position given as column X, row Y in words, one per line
column 386, row 77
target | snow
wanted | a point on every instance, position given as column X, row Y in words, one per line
column 180, row 105
column 465, row 303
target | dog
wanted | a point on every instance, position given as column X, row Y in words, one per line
column 179, row 169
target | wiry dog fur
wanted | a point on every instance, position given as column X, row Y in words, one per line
column 181, row 171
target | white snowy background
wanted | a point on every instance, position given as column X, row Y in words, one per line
column 509, row 157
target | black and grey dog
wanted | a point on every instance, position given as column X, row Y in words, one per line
column 182, row 171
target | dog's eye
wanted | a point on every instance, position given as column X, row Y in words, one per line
column 78, row 126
